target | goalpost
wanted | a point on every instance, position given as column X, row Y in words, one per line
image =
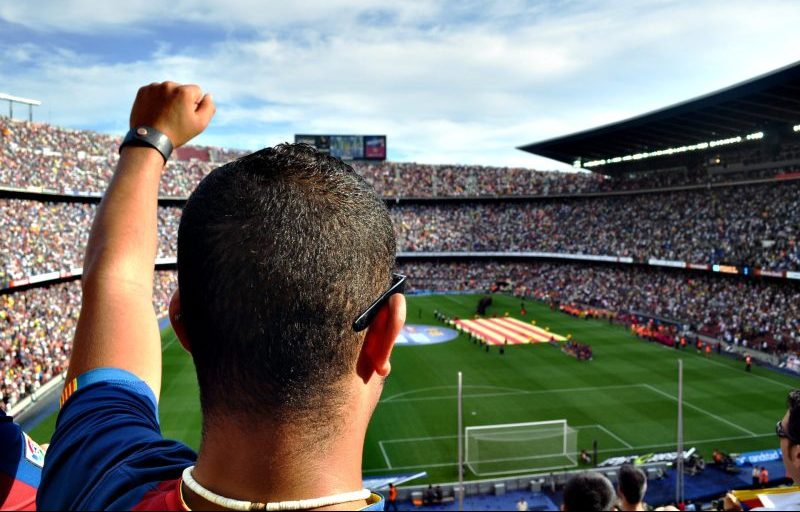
column 520, row 447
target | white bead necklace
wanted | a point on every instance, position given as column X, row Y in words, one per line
column 232, row 504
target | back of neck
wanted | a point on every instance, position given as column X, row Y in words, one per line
column 275, row 463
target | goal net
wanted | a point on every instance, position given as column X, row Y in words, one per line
column 520, row 447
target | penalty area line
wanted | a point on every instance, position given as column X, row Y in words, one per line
column 701, row 410
column 385, row 456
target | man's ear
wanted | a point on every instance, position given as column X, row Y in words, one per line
column 380, row 338
column 176, row 321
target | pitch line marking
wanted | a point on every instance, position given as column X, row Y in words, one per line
column 699, row 409
column 417, row 439
column 607, row 450
column 385, row 456
column 398, row 395
column 169, row 343
column 615, row 436
column 511, row 391
column 779, row 383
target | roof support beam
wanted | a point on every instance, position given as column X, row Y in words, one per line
column 791, row 112
column 784, row 98
column 760, row 114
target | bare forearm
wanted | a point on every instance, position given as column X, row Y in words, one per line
column 124, row 238
column 117, row 325
column 118, row 269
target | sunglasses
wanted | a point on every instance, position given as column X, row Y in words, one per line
column 366, row 318
column 781, row 432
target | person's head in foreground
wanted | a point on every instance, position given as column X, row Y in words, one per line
column 588, row 491
column 788, row 431
column 280, row 254
column 287, row 302
column 631, row 488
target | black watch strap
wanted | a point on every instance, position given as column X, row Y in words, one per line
column 147, row 136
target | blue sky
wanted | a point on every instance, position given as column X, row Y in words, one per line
column 447, row 81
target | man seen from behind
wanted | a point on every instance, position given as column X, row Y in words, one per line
column 286, row 301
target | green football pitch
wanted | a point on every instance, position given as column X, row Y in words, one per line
column 625, row 398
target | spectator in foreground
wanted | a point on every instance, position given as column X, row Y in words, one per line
column 631, row 488
column 788, row 432
column 588, row 491
column 286, row 301
column 21, row 461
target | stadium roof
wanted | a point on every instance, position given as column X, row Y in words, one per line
column 770, row 100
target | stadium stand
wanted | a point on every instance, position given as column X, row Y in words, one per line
column 715, row 226
column 754, row 225
column 80, row 161
column 41, row 237
column 36, row 330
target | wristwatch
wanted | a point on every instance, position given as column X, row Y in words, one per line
column 147, row 136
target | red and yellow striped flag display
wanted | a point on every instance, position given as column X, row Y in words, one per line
column 778, row 498
column 497, row 330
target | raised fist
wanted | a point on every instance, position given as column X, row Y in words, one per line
column 179, row 111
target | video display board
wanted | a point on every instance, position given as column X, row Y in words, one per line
column 348, row 147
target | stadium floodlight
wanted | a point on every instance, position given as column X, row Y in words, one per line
column 796, row 128
column 520, row 447
column 677, row 150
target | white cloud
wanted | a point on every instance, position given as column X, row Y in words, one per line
column 447, row 82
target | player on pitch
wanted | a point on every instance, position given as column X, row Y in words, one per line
column 286, row 301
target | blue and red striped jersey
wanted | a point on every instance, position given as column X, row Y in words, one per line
column 21, row 461
column 108, row 452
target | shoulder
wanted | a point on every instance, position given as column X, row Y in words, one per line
column 21, row 461
column 107, row 451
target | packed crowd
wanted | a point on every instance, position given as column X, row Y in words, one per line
column 42, row 155
column 754, row 313
column 40, row 237
column 79, row 161
column 36, row 330
column 757, row 225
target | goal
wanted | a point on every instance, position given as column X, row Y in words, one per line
column 520, row 447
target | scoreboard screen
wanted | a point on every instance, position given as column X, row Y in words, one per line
column 348, row 147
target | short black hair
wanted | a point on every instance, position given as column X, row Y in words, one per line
column 588, row 491
column 278, row 253
column 632, row 483
column 793, row 423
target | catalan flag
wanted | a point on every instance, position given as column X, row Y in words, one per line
column 497, row 330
